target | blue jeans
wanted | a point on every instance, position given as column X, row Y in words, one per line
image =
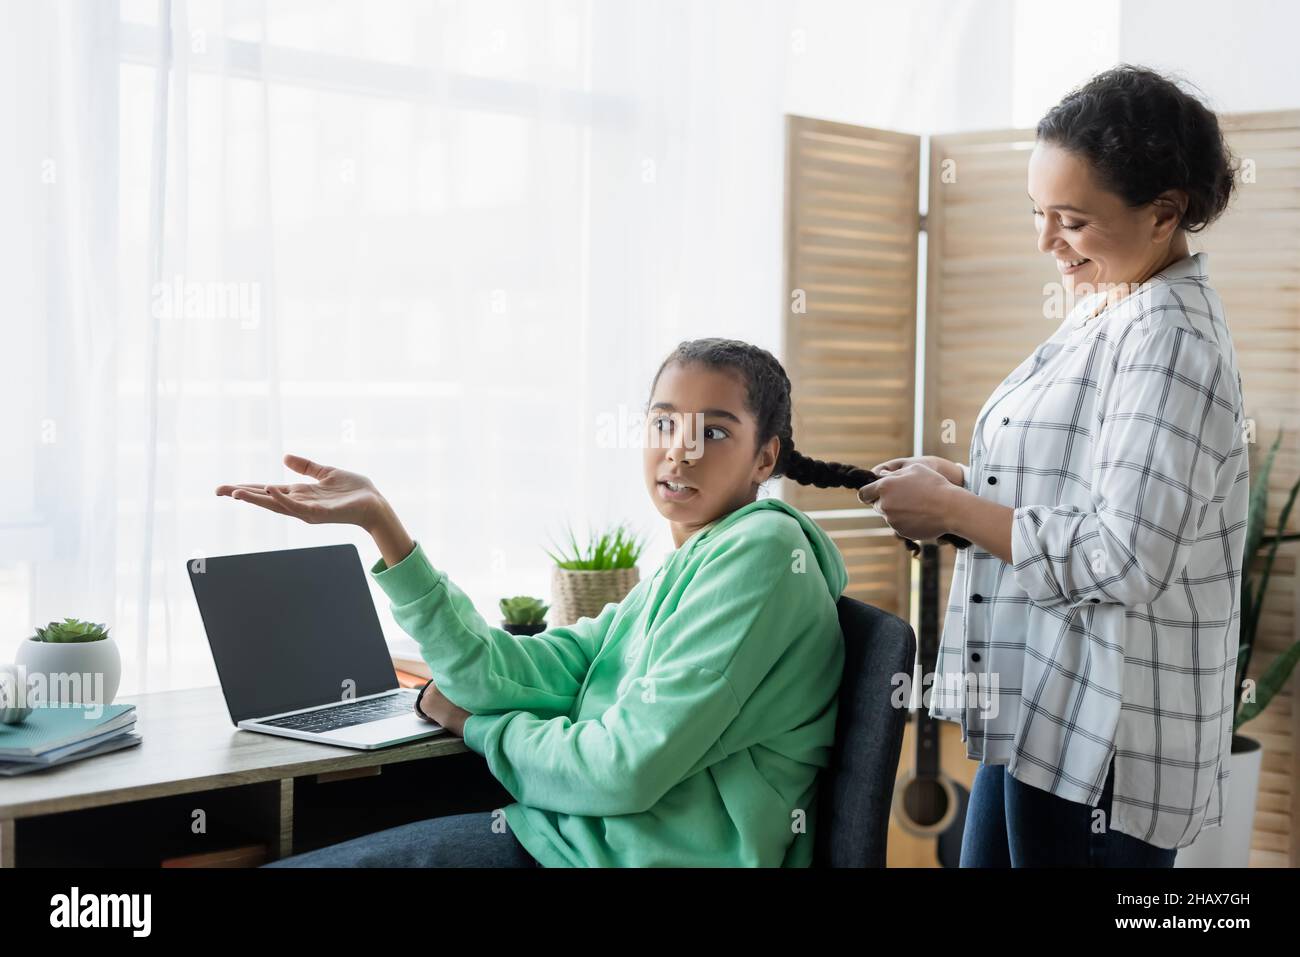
column 456, row 840
column 1012, row 824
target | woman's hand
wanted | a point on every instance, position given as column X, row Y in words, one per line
column 337, row 497
column 914, row 500
column 949, row 470
column 434, row 705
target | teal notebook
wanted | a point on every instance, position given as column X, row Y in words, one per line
column 50, row 727
column 111, row 742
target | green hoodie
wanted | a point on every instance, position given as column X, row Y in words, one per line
column 684, row 726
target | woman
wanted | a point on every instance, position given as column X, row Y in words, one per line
column 1090, row 639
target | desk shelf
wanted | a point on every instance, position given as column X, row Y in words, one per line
column 137, row 808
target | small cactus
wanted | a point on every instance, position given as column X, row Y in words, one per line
column 71, row 630
column 523, row 610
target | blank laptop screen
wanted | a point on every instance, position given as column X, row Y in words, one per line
column 291, row 629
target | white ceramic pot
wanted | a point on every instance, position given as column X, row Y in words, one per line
column 14, row 704
column 1229, row 844
column 72, row 671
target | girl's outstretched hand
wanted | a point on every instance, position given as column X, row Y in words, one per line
column 337, row 496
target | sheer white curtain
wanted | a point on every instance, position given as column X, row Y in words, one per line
column 443, row 244
column 58, row 343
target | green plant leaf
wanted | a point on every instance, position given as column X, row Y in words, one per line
column 1252, row 592
column 1258, row 506
column 1256, row 515
column 609, row 549
column 1270, row 683
column 1272, row 552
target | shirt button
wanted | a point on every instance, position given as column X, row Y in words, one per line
column 1094, row 600
column 1006, row 419
column 975, row 656
column 977, row 598
column 993, row 480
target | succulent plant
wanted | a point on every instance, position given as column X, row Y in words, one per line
column 523, row 610
column 71, row 630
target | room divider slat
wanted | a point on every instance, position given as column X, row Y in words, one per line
column 851, row 222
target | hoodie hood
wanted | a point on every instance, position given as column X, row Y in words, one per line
column 828, row 556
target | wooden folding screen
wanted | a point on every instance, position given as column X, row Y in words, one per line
column 851, row 249
column 850, row 327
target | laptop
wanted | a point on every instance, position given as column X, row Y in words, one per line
column 299, row 650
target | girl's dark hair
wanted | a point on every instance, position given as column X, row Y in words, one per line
column 1143, row 134
column 767, row 396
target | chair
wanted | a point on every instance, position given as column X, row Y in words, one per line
column 856, row 790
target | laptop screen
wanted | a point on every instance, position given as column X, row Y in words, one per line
column 291, row 629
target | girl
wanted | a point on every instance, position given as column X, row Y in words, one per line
column 684, row 726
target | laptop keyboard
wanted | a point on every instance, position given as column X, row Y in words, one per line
column 347, row 715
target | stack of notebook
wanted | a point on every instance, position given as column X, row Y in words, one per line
column 57, row 734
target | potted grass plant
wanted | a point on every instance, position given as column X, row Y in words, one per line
column 588, row 577
column 523, row 615
column 1229, row 844
column 76, row 661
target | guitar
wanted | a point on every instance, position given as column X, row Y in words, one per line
column 929, row 806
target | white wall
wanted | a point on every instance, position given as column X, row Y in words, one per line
column 919, row 67
column 1242, row 54
column 941, row 67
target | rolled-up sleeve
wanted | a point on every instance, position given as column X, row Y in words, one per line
column 1167, row 424
column 965, row 475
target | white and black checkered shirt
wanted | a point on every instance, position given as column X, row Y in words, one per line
column 1114, row 632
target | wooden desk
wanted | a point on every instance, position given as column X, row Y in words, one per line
column 196, row 783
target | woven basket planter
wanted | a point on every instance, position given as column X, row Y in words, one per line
column 584, row 594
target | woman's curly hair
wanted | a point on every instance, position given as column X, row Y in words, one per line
column 1143, row 134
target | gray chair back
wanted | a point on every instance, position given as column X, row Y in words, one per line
column 857, row 790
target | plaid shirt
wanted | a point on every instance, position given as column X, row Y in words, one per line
column 1114, row 631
